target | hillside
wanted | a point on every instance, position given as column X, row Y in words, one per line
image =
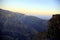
column 18, row 26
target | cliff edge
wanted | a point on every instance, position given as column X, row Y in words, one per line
column 54, row 27
column 53, row 32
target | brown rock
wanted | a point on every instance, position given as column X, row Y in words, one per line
column 54, row 27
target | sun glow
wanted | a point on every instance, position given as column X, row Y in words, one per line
column 37, row 7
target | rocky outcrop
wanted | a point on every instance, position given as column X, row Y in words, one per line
column 53, row 32
column 54, row 27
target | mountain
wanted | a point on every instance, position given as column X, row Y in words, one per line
column 36, row 23
column 18, row 26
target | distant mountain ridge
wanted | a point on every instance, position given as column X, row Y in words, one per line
column 20, row 26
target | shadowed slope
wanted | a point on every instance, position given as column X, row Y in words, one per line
column 17, row 26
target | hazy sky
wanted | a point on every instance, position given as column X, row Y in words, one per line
column 34, row 7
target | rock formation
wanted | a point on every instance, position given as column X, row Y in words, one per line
column 54, row 27
column 53, row 32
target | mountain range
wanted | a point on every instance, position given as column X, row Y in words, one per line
column 18, row 26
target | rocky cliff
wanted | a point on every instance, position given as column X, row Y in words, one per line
column 54, row 27
column 53, row 32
